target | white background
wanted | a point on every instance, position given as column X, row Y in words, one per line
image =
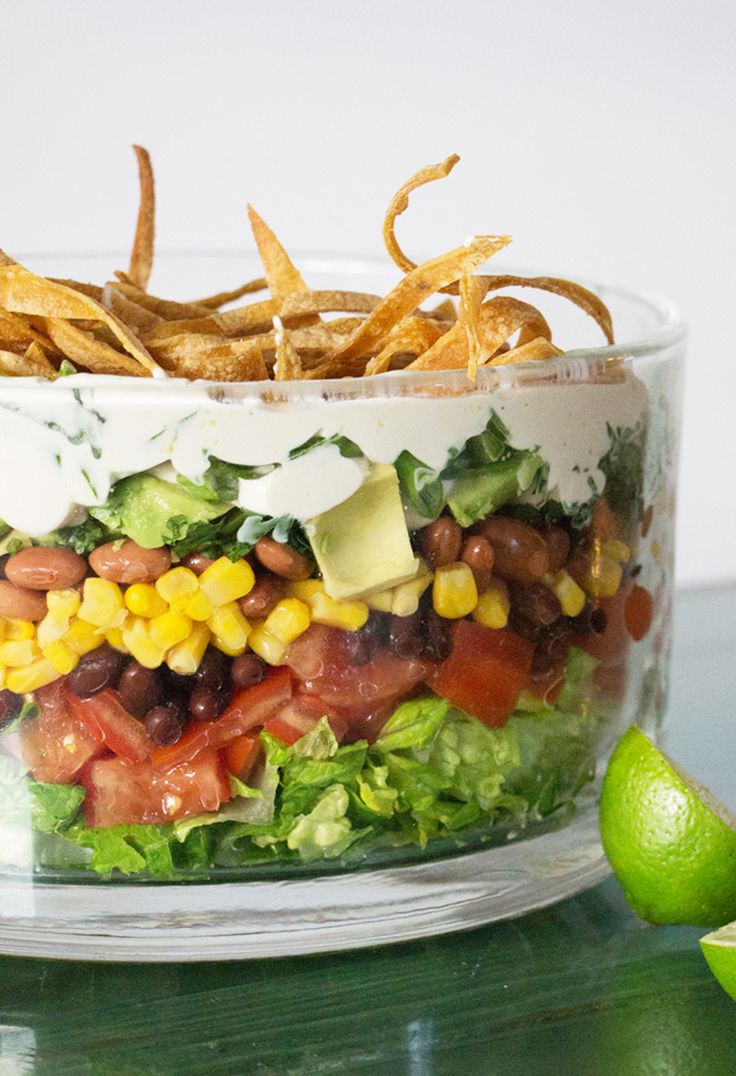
column 601, row 135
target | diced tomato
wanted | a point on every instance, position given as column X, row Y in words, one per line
column 612, row 645
column 121, row 794
column 638, row 612
column 55, row 745
column 105, row 718
column 320, row 663
column 248, row 708
column 241, row 754
column 299, row 715
column 548, row 687
column 485, row 672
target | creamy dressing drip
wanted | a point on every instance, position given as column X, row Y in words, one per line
column 65, row 447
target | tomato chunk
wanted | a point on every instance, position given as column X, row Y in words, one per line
column 120, row 794
column 241, row 755
column 298, row 716
column 248, row 708
column 485, row 672
column 638, row 612
column 319, row 660
column 105, row 718
column 55, row 745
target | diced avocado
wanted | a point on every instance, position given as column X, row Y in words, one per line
column 362, row 545
column 477, row 494
column 153, row 512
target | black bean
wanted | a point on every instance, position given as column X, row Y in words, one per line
column 164, row 724
column 592, row 621
column 140, row 689
column 405, row 636
column 535, row 602
column 95, row 671
column 550, row 654
column 436, row 635
column 10, row 706
column 246, row 670
column 215, row 669
column 361, row 646
column 205, row 704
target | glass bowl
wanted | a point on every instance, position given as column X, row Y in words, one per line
column 473, row 603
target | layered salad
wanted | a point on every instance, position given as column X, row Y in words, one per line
column 247, row 623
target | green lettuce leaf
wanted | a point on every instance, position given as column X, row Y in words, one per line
column 413, row 724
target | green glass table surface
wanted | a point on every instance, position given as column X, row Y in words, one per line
column 582, row 987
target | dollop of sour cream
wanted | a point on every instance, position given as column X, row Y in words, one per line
column 66, row 445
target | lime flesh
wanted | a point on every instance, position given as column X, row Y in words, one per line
column 719, row 949
column 671, row 845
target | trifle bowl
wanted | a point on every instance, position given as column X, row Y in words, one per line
column 320, row 610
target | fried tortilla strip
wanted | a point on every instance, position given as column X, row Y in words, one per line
column 22, row 292
column 288, row 364
column 85, row 350
column 282, row 276
column 538, row 349
column 135, row 316
column 412, row 336
column 568, row 289
column 254, row 318
column 224, row 363
column 31, row 364
column 166, row 309
column 93, row 290
column 214, row 302
column 328, row 302
column 472, row 294
column 312, row 343
column 408, row 294
column 141, row 257
column 400, row 203
column 17, row 333
column 444, row 311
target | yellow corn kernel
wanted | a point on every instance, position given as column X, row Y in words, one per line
column 570, row 596
column 226, row 581
column 230, row 629
column 61, row 657
column 102, row 604
column 350, row 616
column 267, row 646
column 185, row 658
column 304, row 589
column 603, row 578
column 177, row 583
column 405, row 597
column 382, row 601
column 169, row 629
column 616, row 550
column 492, row 610
column 114, row 636
column 290, row 618
column 3, row 677
column 136, row 637
column 197, row 606
column 454, row 593
column 18, row 653
column 144, row 600
column 19, row 629
column 34, row 676
column 66, row 601
column 82, row 637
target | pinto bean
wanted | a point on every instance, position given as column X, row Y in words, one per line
column 520, row 552
column 440, row 542
column 282, row 560
column 267, row 591
column 477, row 552
column 18, row 603
column 41, row 568
column 130, row 563
column 197, row 562
column 558, row 546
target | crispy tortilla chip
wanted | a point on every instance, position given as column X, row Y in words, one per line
column 254, row 318
column 412, row 336
column 17, row 333
column 288, row 364
column 85, row 350
column 31, row 364
column 141, row 257
column 166, row 309
column 225, row 363
column 22, row 292
column 328, row 302
column 568, row 289
column 408, row 294
column 444, row 311
column 472, row 294
column 134, row 315
column 534, row 350
column 93, row 290
column 214, row 302
column 282, row 276
column 400, row 202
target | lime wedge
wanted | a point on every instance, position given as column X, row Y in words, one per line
column 719, row 949
column 670, row 843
